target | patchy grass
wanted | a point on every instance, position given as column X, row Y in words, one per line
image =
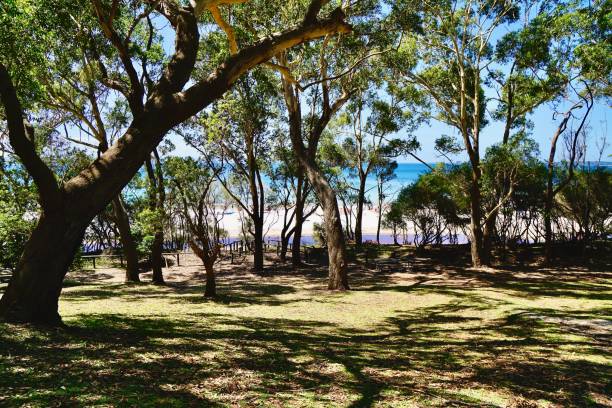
column 414, row 332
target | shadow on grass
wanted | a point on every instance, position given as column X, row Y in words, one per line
column 428, row 355
column 216, row 360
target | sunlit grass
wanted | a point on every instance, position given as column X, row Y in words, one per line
column 422, row 337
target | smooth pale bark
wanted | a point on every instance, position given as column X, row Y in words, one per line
column 121, row 219
column 33, row 292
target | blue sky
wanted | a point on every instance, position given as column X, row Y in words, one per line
column 544, row 126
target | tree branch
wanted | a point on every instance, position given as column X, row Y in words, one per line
column 21, row 138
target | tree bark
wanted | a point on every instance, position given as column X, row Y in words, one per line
column 211, row 282
column 487, row 237
column 359, row 216
column 127, row 240
column 157, row 258
column 208, row 260
column 336, row 247
column 33, row 292
column 476, row 240
column 258, row 250
column 156, row 204
column 296, row 257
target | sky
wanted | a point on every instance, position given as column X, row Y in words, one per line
column 543, row 118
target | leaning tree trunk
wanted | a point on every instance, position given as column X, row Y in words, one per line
column 33, row 292
column 127, row 240
column 336, row 247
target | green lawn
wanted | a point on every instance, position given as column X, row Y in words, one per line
column 415, row 333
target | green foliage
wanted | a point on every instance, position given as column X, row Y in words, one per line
column 18, row 210
column 587, row 200
column 146, row 224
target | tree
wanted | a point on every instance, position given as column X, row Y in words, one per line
column 447, row 61
column 156, row 107
column 200, row 202
column 384, row 172
column 236, row 145
column 307, row 77
column 292, row 193
column 156, row 192
column 371, row 120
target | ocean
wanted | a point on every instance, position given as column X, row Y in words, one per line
column 405, row 174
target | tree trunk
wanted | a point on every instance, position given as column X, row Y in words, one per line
column 157, row 258
column 211, row 283
column 208, row 260
column 258, row 250
column 548, row 233
column 359, row 218
column 475, row 220
column 33, row 292
column 487, row 244
column 336, row 247
column 127, row 240
column 296, row 257
column 283, row 248
column 338, row 278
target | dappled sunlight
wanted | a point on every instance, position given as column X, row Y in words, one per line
column 451, row 337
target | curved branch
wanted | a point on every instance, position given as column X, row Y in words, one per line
column 21, row 137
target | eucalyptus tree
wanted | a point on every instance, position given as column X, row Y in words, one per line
column 466, row 51
column 236, row 142
column 384, row 171
column 289, row 194
column 503, row 165
column 196, row 192
column 33, row 33
column 371, row 121
column 447, row 61
column 323, row 78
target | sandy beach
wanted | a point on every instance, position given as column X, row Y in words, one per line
column 274, row 222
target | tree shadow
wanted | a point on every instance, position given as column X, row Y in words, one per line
column 471, row 339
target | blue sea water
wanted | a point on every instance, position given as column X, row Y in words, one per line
column 405, row 174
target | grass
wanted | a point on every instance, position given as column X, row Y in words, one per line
column 414, row 332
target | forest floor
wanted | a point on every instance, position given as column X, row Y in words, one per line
column 415, row 331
